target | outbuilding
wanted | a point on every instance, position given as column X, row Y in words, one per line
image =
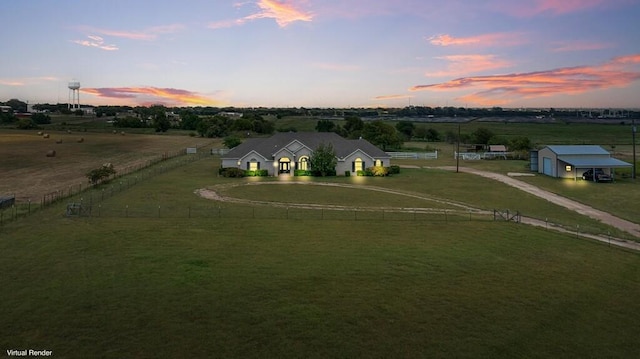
column 571, row 161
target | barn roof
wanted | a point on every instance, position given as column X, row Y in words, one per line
column 268, row 146
column 572, row 150
column 593, row 162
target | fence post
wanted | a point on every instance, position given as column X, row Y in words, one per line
column 158, row 211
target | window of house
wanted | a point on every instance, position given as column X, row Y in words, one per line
column 303, row 163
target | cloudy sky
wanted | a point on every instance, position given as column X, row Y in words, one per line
column 323, row 53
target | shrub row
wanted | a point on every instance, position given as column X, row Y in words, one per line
column 256, row 173
column 231, row 172
column 375, row 171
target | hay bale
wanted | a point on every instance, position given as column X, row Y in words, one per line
column 58, row 141
column 122, row 133
column 114, row 132
column 46, row 135
column 81, row 139
column 51, row 153
column 39, row 133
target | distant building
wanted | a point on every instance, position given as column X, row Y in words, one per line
column 231, row 114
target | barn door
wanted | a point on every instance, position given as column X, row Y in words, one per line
column 547, row 168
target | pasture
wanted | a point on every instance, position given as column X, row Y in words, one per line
column 28, row 173
column 251, row 287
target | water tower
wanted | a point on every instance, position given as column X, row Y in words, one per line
column 74, row 95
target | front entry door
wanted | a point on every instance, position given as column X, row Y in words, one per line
column 284, row 165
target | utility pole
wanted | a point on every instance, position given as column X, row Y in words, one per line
column 458, row 152
column 633, row 136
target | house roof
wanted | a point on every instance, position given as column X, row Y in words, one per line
column 497, row 148
column 267, row 147
column 593, row 162
column 572, row 150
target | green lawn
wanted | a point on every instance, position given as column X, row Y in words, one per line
column 233, row 287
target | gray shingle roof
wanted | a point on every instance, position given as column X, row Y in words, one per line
column 266, row 147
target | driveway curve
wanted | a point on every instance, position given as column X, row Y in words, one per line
column 607, row 218
column 213, row 193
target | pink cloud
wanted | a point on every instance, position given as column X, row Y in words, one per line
column 467, row 64
column 489, row 90
column 147, row 34
column 11, row 83
column 153, row 95
column 97, row 42
column 581, row 46
column 284, row 12
column 526, row 8
column 499, row 39
column 392, row 97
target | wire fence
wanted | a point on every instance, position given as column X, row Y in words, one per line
column 294, row 212
column 124, row 179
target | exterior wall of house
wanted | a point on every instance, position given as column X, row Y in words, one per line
column 367, row 161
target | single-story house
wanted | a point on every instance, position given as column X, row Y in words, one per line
column 572, row 161
column 285, row 152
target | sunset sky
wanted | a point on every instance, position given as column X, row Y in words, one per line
column 323, row 53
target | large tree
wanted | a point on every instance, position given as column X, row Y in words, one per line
column 481, row 136
column 382, row 135
column 406, row 128
column 353, row 126
column 323, row 160
column 325, row 126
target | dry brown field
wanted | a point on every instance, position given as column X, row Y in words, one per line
column 27, row 172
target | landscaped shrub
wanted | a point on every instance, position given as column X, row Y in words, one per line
column 231, row 172
column 347, row 173
column 360, row 173
column 377, row 171
column 301, row 173
column 256, row 173
column 394, row 169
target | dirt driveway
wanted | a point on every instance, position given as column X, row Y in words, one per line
column 632, row 228
column 604, row 217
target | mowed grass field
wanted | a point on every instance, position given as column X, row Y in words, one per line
column 173, row 286
column 28, row 173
